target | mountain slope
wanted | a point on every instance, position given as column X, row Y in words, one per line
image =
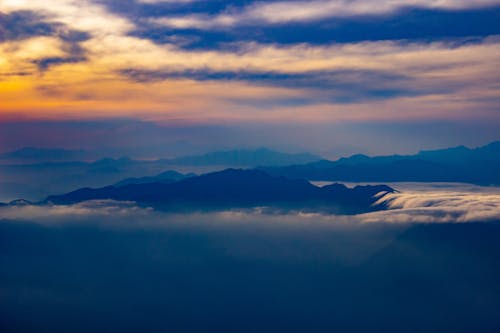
column 460, row 164
column 235, row 189
column 32, row 154
column 166, row 177
column 246, row 158
column 35, row 179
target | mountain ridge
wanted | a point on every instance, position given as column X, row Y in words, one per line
column 236, row 188
column 458, row 164
column 165, row 177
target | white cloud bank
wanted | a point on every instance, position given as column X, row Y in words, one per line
column 438, row 207
column 437, row 203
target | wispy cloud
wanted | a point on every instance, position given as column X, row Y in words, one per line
column 279, row 12
column 167, row 1
column 91, row 57
column 82, row 15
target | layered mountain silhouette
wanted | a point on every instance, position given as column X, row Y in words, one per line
column 34, row 173
column 459, row 164
column 34, row 154
column 235, row 157
column 35, row 181
column 246, row 158
column 237, row 188
column 166, row 177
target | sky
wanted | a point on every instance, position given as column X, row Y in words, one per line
column 328, row 76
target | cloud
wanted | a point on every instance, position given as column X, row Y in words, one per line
column 444, row 203
column 166, row 1
column 24, row 24
column 99, row 68
column 342, row 86
column 237, row 271
column 280, row 12
column 82, row 15
column 45, row 63
column 440, row 204
column 78, row 212
column 21, row 28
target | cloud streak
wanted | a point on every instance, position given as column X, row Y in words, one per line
column 281, row 12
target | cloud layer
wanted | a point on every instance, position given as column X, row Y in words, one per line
column 279, row 12
column 99, row 58
column 431, row 204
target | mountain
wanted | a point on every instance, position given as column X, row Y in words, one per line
column 35, row 179
column 233, row 188
column 245, row 158
column 32, row 154
column 20, row 202
column 459, row 164
column 164, row 177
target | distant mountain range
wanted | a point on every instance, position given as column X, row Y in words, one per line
column 460, row 164
column 227, row 158
column 34, row 173
column 233, row 188
column 35, row 181
column 37, row 155
column 166, row 177
column 245, row 158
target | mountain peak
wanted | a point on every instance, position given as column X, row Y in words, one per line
column 233, row 188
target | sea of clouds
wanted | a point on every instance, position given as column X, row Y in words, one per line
column 422, row 263
column 414, row 202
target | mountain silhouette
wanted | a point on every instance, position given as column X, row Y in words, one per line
column 166, row 177
column 20, row 202
column 459, row 164
column 236, row 188
column 245, row 158
column 33, row 154
column 42, row 172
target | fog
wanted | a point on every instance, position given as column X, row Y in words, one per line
column 430, row 263
column 413, row 203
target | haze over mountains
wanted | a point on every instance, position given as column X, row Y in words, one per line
column 166, row 177
column 35, row 181
column 236, row 157
column 37, row 155
column 20, row 176
column 459, row 164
